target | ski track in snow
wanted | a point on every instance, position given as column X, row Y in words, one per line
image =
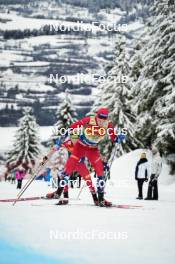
column 142, row 235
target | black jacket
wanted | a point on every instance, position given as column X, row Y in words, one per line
column 141, row 171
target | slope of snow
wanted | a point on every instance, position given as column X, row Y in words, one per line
column 82, row 233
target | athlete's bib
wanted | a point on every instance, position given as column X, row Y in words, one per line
column 92, row 133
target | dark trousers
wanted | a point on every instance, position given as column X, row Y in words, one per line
column 152, row 188
column 13, row 180
column 140, row 187
column 19, row 184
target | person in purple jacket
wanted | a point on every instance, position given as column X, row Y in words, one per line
column 20, row 174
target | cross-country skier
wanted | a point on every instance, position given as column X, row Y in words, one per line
column 93, row 130
column 80, row 168
column 156, row 167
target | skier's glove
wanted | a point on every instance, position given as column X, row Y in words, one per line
column 120, row 138
column 146, row 180
column 60, row 140
column 58, row 143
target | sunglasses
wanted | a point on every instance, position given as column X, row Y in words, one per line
column 104, row 117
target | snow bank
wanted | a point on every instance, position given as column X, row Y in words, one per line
column 80, row 232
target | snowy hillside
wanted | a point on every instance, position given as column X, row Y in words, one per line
column 30, row 51
column 79, row 232
column 93, row 79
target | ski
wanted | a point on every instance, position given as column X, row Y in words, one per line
column 11, row 200
column 119, row 206
column 122, row 206
column 126, row 206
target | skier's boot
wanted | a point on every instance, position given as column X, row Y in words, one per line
column 107, row 203
column 102, row 202
column 56, row 194
column 65, row 199
column 52, row 195
column 95, row 198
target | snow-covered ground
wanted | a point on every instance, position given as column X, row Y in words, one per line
column 81, row 233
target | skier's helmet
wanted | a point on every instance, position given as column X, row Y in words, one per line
column 102, row 117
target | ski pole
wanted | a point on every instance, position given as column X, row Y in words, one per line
column 24, row 186
column 78, row 196
column 36, row 172
column 117, row 148
column 40, row 167
column 28, row 184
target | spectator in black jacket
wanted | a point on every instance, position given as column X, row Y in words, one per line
column 141, row 174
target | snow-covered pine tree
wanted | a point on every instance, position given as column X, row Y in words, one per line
column 136, row 63
column 115, row 95
column 26, row 146
column 66, row 115
column 144, row 121
column 156, row 100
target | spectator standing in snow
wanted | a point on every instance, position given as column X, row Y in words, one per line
column 141, row 174
column 13, row 176
column 156, row 167
column 20, row 174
